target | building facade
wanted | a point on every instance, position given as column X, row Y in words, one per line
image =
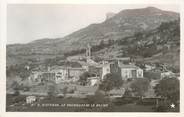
column 57, row 74
column 30, row 99
column 131, row 71
column 75, row 73
column 126, row 71
column 110, row 68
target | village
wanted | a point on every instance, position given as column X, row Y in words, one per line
column 60, row 74
column 81, row 82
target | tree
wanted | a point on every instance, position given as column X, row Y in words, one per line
column 15, row 85
column 98, row 98
column 65, row 89
column 16, row 93
column 169, row 89
column 102, row 44
column 83, row 78
column 111, row 81
column 25, row 74
column 51, row 89
column 18, row 70
column 138, row 35
column 110, row 42
column 49, row 62
column 127, row 93
column 139, row 86
column 164, row 26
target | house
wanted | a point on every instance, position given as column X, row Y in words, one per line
column 48, row 76
column 152, row 74
column 115, row 93
column 93, row 80
column 75, row 72
column 37, row 76
column 61, row 73
column 158, row 74
column 130, row 71
column 167, row 74
column 105, row 69
column 88, row 64
column 110, row 68
column 64, row 73
column 30, row 99
column 57, row 74
column 75, row 58
column 42, row 76
column 149, row 67
column 125, row 70
column 117, row 59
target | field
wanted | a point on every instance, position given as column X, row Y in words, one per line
column 47, row 105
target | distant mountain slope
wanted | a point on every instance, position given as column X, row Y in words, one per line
column 158, row 45
column 122, row 24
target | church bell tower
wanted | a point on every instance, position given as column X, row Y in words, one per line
column 88, row 52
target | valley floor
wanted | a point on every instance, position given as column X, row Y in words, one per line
column 63, row 105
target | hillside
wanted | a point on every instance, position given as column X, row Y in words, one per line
column 123, row 24
column 158, row 45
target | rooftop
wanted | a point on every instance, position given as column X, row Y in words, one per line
column 128, row 66
column 117, row 91
column 122, row 59
column 66, row 67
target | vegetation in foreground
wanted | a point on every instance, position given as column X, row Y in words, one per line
column 168, row 95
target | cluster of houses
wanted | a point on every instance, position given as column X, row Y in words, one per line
column 57, row 74
column 60, row 74
column 67, row 74
column 159, row 72
column 123, row 66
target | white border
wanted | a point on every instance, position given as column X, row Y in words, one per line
column 3, row 113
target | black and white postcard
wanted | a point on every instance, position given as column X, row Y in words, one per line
column 93, row 57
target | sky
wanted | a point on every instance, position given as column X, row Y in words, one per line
column 29, row 22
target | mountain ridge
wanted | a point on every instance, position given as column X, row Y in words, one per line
column 122, row 24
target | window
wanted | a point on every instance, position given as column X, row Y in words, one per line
column 126, row 74
column 140, row 74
